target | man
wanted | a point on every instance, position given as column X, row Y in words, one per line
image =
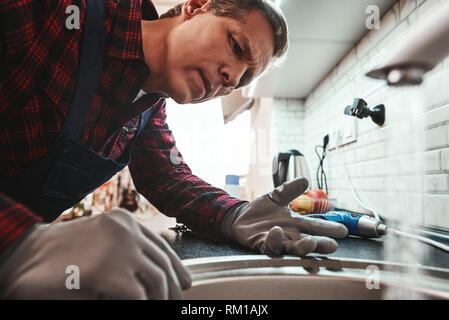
column 70, row 120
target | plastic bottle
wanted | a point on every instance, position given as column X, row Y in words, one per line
column 232, row 186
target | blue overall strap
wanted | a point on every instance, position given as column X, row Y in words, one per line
column 144, row 119
column 148, row 99
column 92, row 51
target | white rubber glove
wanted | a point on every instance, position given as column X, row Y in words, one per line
column 268, row 226
column 117, row 258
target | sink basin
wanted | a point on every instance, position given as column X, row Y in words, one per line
column 259, row 277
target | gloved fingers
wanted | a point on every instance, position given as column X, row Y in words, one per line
column 155, row 255
column 325, row 245
column 145, row 284
column 183, row 275
column 301, row 247
column 321, row 227
column 288, row 191
column 154, row 281
column 133, row 291
column 274, row 243
column 124, row 287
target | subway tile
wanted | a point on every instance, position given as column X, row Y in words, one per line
column 435, row 90
column 396, row 205
column 380, row 167
column 436, row 137
column 437, row 210
column 293, row 105
column 378, row 150
column 280, row 104
column 411, row 207
column 381, row 134
column 433, row 161
column 437, row 182
column 414, row 183
column 411, row 164
column 437, row 116
column 384, row 203
column 445, row 159
column 296, row 104
column 347, row 63
column 374, row 184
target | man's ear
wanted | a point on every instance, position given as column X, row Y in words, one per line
column 193, row 7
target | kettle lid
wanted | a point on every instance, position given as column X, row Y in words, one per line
column 294, row 152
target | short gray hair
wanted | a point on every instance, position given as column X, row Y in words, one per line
column 239, row 9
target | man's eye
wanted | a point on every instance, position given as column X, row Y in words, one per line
column 236, row 47
column 244, row 81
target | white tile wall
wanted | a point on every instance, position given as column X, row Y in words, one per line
column 288, row 124
column 400, row 169
column 437, row 210
column 445, row 160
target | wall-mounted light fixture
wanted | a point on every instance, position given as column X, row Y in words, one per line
column 421, row 50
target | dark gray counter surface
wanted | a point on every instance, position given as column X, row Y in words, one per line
column 187, row 245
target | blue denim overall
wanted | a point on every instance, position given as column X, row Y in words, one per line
column 70, row 171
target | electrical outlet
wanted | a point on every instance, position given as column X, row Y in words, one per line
column 348, row 130
column 331, row 144
column 345, row 132
column 334, row 138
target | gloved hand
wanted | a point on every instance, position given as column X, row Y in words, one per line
column 116, row 256
column 267, row 225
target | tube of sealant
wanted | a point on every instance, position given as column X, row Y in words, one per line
column 358, row 225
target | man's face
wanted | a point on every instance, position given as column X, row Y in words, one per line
column 210, row 56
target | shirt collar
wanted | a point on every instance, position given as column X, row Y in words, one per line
column 126, row 32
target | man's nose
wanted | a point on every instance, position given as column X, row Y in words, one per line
column 231, row 76
column 229, row 80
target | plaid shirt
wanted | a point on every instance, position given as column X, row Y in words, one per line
column 38, row 79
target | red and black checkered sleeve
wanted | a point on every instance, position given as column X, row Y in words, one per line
column 161, row 175
column 21, row 22
column 15, row 219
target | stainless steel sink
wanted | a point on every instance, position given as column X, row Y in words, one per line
column 259, row 277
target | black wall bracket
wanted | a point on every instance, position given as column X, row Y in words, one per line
column 360, row 110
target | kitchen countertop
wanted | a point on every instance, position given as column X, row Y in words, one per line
column 187, row 245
